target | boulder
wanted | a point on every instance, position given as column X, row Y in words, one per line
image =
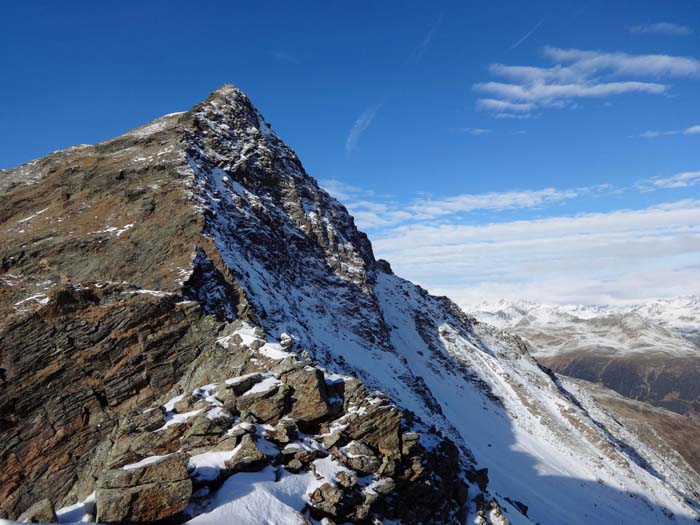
column 240, row 385
column 247, row 457
column 379, row 427
column 41, row 512
column 285, row 431
column 267, row 406
column 359, row 457
column 153, row 491
column 309, row 399
column 206, row 430
column 327, row 499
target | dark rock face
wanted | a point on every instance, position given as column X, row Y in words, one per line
column 70, row 369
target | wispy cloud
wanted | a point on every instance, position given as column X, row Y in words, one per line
column 589, row 258
column 423, row 45
column 363, row 121
column 662, row 28
column 285, row 57
column 680, row 180
column 652, row 134
column 476, row 131
column 527, row 35
column 373, row 211
column 577, row 74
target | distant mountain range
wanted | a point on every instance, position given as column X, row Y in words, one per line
column 648, row 351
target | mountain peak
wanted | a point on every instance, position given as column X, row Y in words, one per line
column 163, row 264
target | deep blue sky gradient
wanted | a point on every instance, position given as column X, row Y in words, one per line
column 81, row 72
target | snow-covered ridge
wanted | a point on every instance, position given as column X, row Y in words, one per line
column 309, row 273
column 670, row 326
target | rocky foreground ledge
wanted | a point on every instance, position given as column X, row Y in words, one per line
column 252, row 413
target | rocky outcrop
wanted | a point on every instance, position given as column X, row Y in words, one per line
column 71, row 369
column 143, row 493
column 41, row 512
column 380, row 463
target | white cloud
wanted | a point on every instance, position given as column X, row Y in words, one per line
column 577, row 74
column 652, row 134
column 361, row 124
column 372, row 212
column 477, row 131
column 595, row 257
column 285, row 57
column 662, row 28
column 680, row 180
column 342, row 191
column 432, row 209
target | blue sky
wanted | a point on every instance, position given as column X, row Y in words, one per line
column 546, row 150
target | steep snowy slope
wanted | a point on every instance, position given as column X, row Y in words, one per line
column 309, row 273
column 253, row 237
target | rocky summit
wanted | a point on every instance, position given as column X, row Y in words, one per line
column 192, row 330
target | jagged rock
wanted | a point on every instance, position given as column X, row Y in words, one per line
column 268, row 406
column 359, row 457
column 332, row 438
column 480, row 477
column 151, row 492
column 408, row 441
column 241, row 385
column 379, row 427
column 309, row 398
column 285, row 431
column 141, row 421
column 384, row 486
column 247, row 456
column 301, row 453
column 242, row 428
column 41, row 512
column 346, row 479
column 327, row 499
column 206, row 430
column 130, row 448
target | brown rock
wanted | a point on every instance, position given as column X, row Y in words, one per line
column 309, row 398
column 359, row 457
column 268, row 406
column 152, row 492
column 41, row 512
column 247, row 457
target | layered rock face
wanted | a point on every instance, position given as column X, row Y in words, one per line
column 113, row 294
column 193, row 330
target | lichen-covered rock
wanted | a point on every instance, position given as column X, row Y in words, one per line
column 267, row 406
column 359, row 457
column 309, row 398
column 141, row 493
column 41, row 512
column 247, row 456
column 328, row 499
